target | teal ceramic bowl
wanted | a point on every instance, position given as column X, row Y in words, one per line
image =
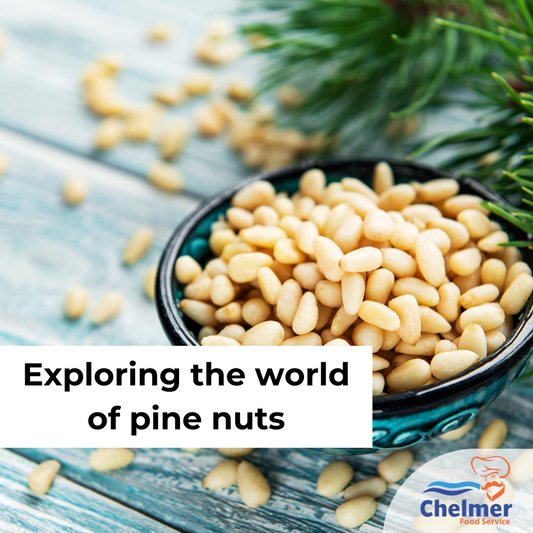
column 399, row 420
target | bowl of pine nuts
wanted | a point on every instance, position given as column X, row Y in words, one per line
column 399, row 256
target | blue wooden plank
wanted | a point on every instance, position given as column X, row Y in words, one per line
column 67, row 508
column 47, row 246
column 168, row 482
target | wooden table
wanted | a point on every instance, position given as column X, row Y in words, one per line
column 46, row 247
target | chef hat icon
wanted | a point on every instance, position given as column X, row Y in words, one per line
column 491, row 466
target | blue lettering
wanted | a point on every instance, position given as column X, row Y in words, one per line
column 440, row 507
column 506, row 508
column 423, row 508
column 454, row 509
column 495, row 510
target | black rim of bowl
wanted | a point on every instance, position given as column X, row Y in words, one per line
column 503, row 360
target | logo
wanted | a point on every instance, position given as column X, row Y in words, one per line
column 492, row 470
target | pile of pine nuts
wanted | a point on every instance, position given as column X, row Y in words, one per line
column 413, row 270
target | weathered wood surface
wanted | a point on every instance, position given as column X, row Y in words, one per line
column 67, row 507
column 168, row 483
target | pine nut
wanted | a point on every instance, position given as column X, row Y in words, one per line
column 447, row 364
column 390, row 340
column 477, row 224
column 379, row 285
column 395, row 466
column 218, row 340
column 328, row 255
column 222, row 291
column 436, row 236
column 165, row 177
column 240, row 90
column 209, row 121
column 289, row 224
column 233, row 331
column 494, row 340
column 410, row 375
column 481, row 294
column 305, row 236
column 160, row 32
column 307, row 275
column 355, row 512
column 491, row 242
column 360, row 260
column 378, row 383
column 173, row 139
column 170, row 95
column 269, row 284
column 75, row 190
column 235, row 452
column 76, row 301
column 406, row 307
column 240, row 218
column 306, row 315
column 400, row 263
column 456, row 231
column 254, row 195
column 288, row 301
column 235, row 248
column 378, row 226
column 445, row 346
column 459, row 432
column 223, row 475
column 353, row 292
column 465, row 283
column 368, row 335
column 4, row 159
column 263, row 236
column 522, row 467
column 378, row 363
column 109, row 133
column 511, row 255
column 255, row 311
column 421, row 212
column 329, row 293
column 198, row 83
column 268, row 333
column 105, row 459
column 374, row 487
column 324, row 315
column 432, row 321
column 397, row 198
column 487, row 316
column 516, row 296
column 319, row 216
column 216, row 267
column 313, row 183
column 383, row 177
column 342, row 321
column 253, row 486
column 514, row 271
column 423, row 346
column 424, row 293
column 431, row 263
column 200, row 289
column 356, row 185
column 457, row 204
column 286, row 251
column 229, row 314
column 493, row 435
column 107, row 308
column 473, row 339
column 379, row 315
column 308, row 339
column 404, row 236
column 42, row 477
column 333, row 478
column 137, row 246
column 465, row 262
column 206, row 331
column 438, row 190
column 187, row 269
column 243, row 268
column 337, row 216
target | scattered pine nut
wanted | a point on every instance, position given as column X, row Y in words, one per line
column 76, row 301
column 522, row 467
column 170, row 95
column 374, row 487
column 355, row 512
column 395, row 466
column 138, row 245
column 493, row 435
column 107, row 308
column 4, row 163
column 160, row 33
column 4, row 42
column 290, row 96
column 209, row 121
column 223, row 475
column 198, row 83
column 240, row 91
column 333, row 478
column 75, row 190
column 253, row 486
column 165, row 177
column 235, row 452
column 173, row 139
column 105, row 459
column 109, row 133
column 42, row 477
column 459, row 432
column 149, row 282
